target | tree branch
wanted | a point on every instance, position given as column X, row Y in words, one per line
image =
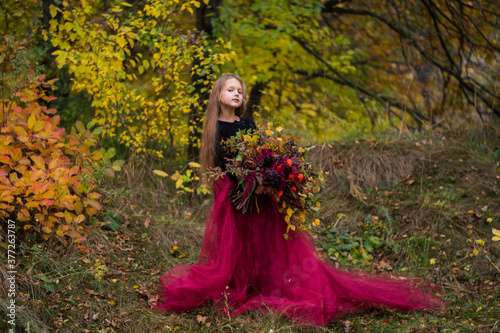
column 406, row 35
column 345, row 81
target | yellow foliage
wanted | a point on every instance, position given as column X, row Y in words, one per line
column 140, row 98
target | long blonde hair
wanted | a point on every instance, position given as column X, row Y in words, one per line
column 208, row 153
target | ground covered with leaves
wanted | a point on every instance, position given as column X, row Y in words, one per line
column 420, row 206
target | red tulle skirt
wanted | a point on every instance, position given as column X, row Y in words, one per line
column 246, row 263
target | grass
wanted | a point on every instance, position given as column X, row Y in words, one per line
column 428, row 199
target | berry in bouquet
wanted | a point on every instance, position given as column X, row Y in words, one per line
column 264, row 156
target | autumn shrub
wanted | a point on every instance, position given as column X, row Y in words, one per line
column 46, row 174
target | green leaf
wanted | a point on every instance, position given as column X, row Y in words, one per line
column 114, row 226
column 97, row 131
column 49, row 287
column 114, row 221
column 79, row 126
column 43, row 277
column 375, row 241
column 37, row 248
column 117, row 165
column 109, row 172
column 91, row 124
column 368, row 247
column 111, row 152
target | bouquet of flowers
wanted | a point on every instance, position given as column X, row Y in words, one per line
column 264, row 157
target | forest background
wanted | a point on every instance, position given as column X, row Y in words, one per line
column 102, row 109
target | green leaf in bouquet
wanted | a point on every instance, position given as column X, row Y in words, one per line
column 239, row 134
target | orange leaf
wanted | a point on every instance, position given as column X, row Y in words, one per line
column 6, row 160
column 16, row 154
column 74, row 170
column 55, row 120
column 25, row 212
column 46, row 202
column 20, row 168
column 40, row 187
column 67, row 204
column 47, row 224
column 80, row 239
column 8, row 198
column 49, row 98
column 92, row 203
column 91, row 211
column 94, row 195
column 74, row 234
column 24, row 161
column 82, row 249
column 78, row 207
column 39, row 162
column 79, row 218
column 54, row 163
column 22, row 217
column 6, row 207
column 50, row 111
column 35, row 175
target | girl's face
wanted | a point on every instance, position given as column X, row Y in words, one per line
column 232, row 94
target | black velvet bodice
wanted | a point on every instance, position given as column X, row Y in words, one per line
column 226, row 130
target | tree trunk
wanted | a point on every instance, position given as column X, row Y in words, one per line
column 255, row 99
column 204, row 25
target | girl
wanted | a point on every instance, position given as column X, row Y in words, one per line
column 246, row 263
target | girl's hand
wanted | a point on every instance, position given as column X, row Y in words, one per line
column 261, row 189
